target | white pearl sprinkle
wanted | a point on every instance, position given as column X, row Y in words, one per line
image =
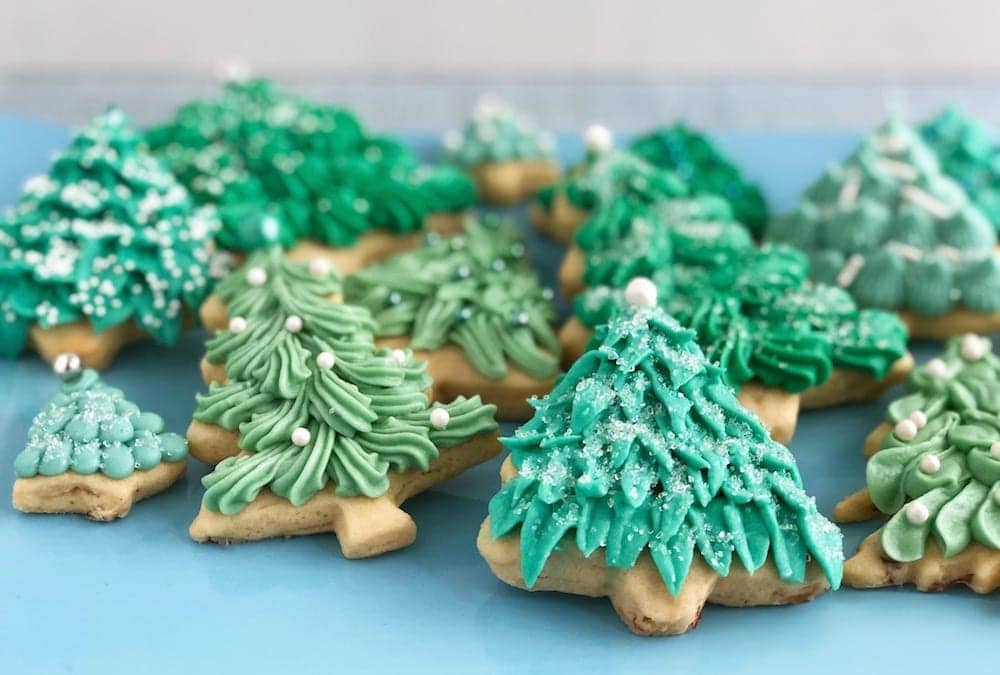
column 237, row 324
column 293, row 324
column 397, row 356
column 597, row 138
column 937, row 368
column 930, row 463
column 325, row 360
column 906, row 430
column 319, row 267
column 917, row 513
column 66, row 364
column 973, row 347
column 301, row 437
column 256, row 276
column 995, row 450
column 440, row 418
column 918, row 417
column 641, row 292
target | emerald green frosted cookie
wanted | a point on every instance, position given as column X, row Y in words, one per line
column 92, row 451
column 934, row 471
column 104, row 248
column 642, row 478
column 301, row 168
column 320, row 430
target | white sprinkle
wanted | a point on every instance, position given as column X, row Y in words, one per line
column 66, row 364
column 641, row 293
column 237, row 324
column 919, row 418
column 906, row 430
column 440, row 418
column 917, row 513
column 319, row 267
column 326, row 360
column 995, row 450
column 301, row 437
column 926, row 201
column 937, row 368
column 397, row 356
column 901, row 170
column 973, row 347
column 256, row 276
column 930, row 463
column 597, row 138
column 850, row 188
column 849, row 273
column 293, row 324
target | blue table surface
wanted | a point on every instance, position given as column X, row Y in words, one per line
column 139, row 595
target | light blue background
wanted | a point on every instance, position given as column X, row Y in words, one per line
column 139, row 596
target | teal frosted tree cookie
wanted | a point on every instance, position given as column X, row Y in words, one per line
column 92, row 451
column 103, row 249
column 642, row 478
column 934, row 472
column 606, row 173
column 473, row 309
column 889, row 227
column 273, row 160
column 967, row 151
column 780, row 339
column 693, row 156
column 317, row 429
column 505, row 152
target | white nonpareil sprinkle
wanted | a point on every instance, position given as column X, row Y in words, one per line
column 397, row 356
column 237, row 324
column 972, row 347
column 917, row 513
column 641, row 292
column 293, row 324
column 930, row 463
column 906, row 430
column 919, row 418
column 326, row 360
column 936, row 368
column 319, row 267
column 440, row 418
column 598, row 138
column 301, row 437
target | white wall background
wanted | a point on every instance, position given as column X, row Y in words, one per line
column 732, row 62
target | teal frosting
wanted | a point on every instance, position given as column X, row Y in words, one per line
column 968, row 152
column 694, row 157
column 892, row 229
column 90, row 428
column 643, row 447
column 938, row 472
column 273, row 160
column 753, row 310
column 497, row 133
column 107, row 235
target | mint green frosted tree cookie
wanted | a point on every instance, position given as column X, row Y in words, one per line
column 317, row 429
column 103, row 249
column 92, row 451
column 642, row 478
column 934, row 471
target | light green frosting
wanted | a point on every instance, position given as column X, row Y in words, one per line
column 108, row 236
column 643, row 447
column 89, row 428
column 752, row 309
column 893, row 230
column 474, row 290
column 497, row 133
column 274, row 160
column 938, row 472
column 299, row 366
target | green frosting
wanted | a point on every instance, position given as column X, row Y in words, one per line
column 893, row 230
column 753, row 311
column 89, row 427
column 938, row 471
column 497, row 133
column 695, row 159
column 107, row 235
column 968, row 153
column 474, row 290
column 272, row 160
column 315, row 402
column 642, row 446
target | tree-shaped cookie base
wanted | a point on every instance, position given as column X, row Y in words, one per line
column 104, row 249
column 90, row 451
column 642, row 456
column 473, row 309
column 934, row 470
column 318, row 430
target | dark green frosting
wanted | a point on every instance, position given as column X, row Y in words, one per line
column 475, row 290
column 695, row 159
column 274, row 160
column 642, row 446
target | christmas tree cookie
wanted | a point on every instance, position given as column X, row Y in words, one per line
column 306, row 173
column 693, row 156
column 104, row 249
column 91, row 451
column 473, row 309
column 509, row 158
column 894, row 231
column 784, row 342
column 643, row 479
column 605, row 174
column 967, row 151
column 934, row 471
column 317, row 429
